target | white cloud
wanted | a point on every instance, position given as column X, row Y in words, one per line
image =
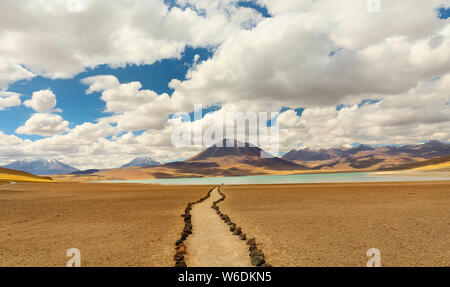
column 311, row 54
column 319, row 56
column 100, row 83
column 43, row 125
column 422, row 113
column 11, row 71
column 11, row 147
column 43, row 101
column 9, row 99
column 53, row 41
column 133, row 108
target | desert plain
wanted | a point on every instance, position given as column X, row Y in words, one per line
column 295, row 225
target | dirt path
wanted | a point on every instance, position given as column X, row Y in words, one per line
column 212, row 244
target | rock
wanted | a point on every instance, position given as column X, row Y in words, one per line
column 237, row 231
column 180, row 264
column 178, row 257
column 252, row 247
column 232, row 227
column 266, row 265
column 257, row 260
column 181, row 249
column 256, row 252
column 179, row 241
column 251, row 241
column 242, row 236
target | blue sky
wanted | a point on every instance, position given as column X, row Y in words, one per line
column 79, row 108
column 444, row 13
column 71, row 93
column 334, row 85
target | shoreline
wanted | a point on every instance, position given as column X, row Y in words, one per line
column 359, row 177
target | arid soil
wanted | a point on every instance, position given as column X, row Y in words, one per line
column 295, row 225
column 111, row 224
column 335, row 224
column 212, row 244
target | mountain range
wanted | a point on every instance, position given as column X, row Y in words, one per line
column 143, row 161
column 245, row 159
column 41, row 167
column 367, row 157
column 55, row 167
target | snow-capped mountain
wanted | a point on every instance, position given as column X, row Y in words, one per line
column 41, row 166
column 143, row 161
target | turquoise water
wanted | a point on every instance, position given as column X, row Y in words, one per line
column 279, row 179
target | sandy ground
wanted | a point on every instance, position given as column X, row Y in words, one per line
column 212, row 244
column 111, row 224
column 295, row 225
column 335, row 224
column 416, row 173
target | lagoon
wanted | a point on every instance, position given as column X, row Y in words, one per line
column 286, row 179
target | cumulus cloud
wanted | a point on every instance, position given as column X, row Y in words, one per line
column 319, row 56
column 9, row 99
column 310, row 54
column 43, row 101
column 54, row 40
column 11, row 71
column 43, row 125
column 134, row 108
column 421, row 113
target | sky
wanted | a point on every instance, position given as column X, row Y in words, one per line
column 97, row 83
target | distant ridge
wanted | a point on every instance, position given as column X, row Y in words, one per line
column 230, row 157
column 368, row 157
column 419, row 164
column 88, row 171
column 229, row 148
column 144, row 161
column 41, row 166
column 427, row 150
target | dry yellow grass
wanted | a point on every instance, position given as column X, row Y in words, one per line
column 19, row 178
column 439, row 166
column 335, row 224
column 9, row 175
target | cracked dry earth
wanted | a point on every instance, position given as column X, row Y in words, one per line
column 212, row 244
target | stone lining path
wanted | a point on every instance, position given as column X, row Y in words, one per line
column 212, row 244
